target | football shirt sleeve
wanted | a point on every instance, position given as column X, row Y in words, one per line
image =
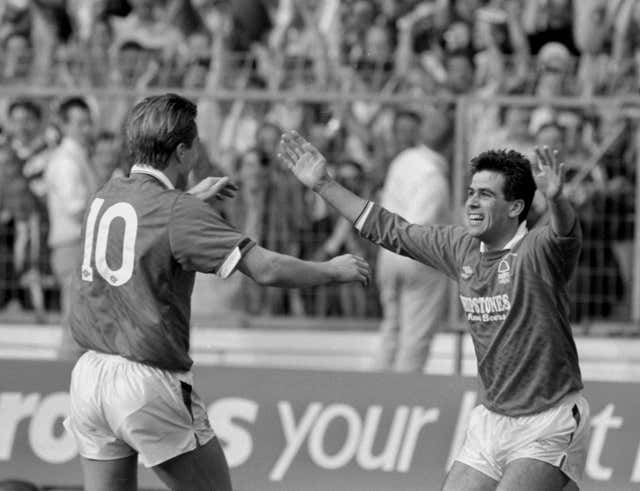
column 201, row 240
column 442, row 247
column 555, row 254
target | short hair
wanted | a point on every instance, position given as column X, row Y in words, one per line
column 409, row 114
column 131, row 45
column 68, row 104
column 26, row 104
column 516, row 169
column 157, row 125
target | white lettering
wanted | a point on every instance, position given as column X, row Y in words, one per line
column 386, row 459
column 316, row 439
column 236, row 440
column 601, row 423
column 293, row 436
column 419, row 418
column 14, row 407
column 42, row 436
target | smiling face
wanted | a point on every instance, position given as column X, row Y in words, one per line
column 489, row 215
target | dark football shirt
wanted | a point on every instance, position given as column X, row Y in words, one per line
column 515, row 301
column 142, row 245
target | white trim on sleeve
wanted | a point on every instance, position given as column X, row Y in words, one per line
column 363, row 216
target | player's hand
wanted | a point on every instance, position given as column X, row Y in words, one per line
column 351, row 268
column 305, row 161
column 210, row 187
column 549, row 174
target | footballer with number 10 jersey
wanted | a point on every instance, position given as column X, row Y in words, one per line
column 143, row 242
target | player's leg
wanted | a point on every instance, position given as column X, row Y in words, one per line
column 110, row 475
column 532, row 475
column 463, row 477
column 421, row 314
column 204, row 468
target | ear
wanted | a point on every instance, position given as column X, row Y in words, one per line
column 516, row 207
column 180, row 151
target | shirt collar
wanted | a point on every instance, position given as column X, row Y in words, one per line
column 152, row 171
column 521, row 232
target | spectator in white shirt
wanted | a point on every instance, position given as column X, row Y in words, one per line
column 412, row 295
column 71, row 181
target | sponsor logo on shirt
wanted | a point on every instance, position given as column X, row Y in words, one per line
column 486, row 309
column 467, row 272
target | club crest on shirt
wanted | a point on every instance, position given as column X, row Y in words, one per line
column 467, row 272
column 504, row 270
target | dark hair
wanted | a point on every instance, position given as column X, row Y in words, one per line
column 407, row 113
column 68, row 104
column 157, row 125
column 131, row 45
column 516, row 169
column 28, row 105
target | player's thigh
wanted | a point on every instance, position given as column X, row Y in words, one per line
column 532, row 475
column 110, row 475
column 204, row 468
column 463, row 477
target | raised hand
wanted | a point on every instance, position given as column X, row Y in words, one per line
column 305, row 161
column 350, row 268
column 218, row 187
column 549, row 173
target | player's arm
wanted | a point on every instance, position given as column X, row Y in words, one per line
column 434, row 246
column 273, row 269
column 549, row 177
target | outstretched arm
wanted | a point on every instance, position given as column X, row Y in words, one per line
column 549, row 177
column 310, row 167
column 273, row 269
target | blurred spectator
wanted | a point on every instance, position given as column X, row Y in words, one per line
column 71, row 180
column 106, row 157
column 413, row 296
column 16, row 210
column 25, row 132
column 343, row 300
column 18, row 58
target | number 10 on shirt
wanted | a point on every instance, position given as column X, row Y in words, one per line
column 127, row 213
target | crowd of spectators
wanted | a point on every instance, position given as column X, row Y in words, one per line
column 432, row 51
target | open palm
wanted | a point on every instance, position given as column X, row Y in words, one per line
column 305, row 161
column 549, row 174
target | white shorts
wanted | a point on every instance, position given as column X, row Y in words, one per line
column 119, row 407
column 558, row 436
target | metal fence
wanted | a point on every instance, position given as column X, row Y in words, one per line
column 599, row 137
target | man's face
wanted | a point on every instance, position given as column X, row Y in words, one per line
column 406, row 132
column 23, row 124
column 487, row 211
column 78, row 126
column 552, row 137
